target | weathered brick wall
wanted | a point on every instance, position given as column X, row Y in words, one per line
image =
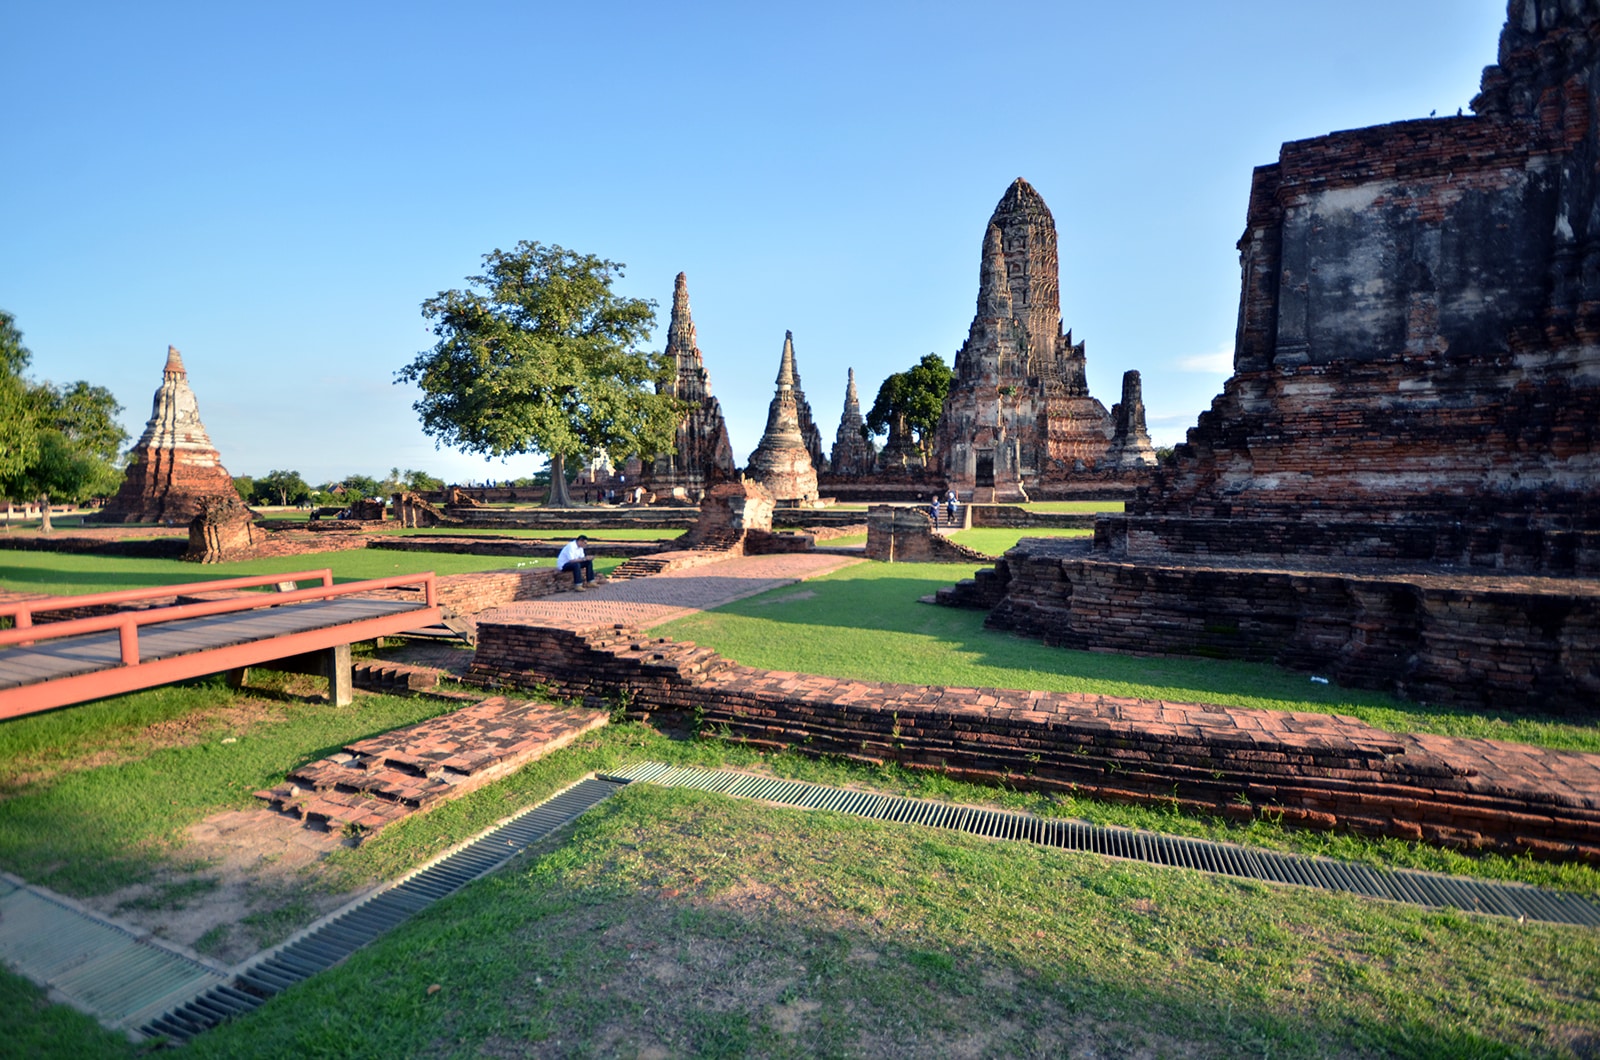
column 1495, row 643
column 1010, row 517
column 479, row 591
column 1307, row 769
column 906, row 535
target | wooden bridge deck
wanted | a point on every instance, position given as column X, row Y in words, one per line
column 60, row 663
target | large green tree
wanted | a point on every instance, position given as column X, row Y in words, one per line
column 539, row 355
column 912, row 400
column 58, row 443
column 19, row 422
column 281, row 487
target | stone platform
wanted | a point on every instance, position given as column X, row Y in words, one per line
column 1472, row 637
column 372, row 783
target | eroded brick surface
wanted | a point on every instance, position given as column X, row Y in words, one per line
column 1309, row 769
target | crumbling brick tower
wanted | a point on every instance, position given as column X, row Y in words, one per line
column 1418, row 353
column 1019, row 407
column 702, row 452
column 1399, row 486
column 175, row 467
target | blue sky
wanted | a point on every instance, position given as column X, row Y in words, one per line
column 274, row 189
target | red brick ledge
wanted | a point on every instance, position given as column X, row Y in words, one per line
column 1312, row 770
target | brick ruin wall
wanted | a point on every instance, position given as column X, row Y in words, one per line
column 1530, row 645
column 906, row 535
column 1308, row 770
column 1399, row 359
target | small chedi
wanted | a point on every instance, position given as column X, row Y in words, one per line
column 702, row 453
column 852, row 454
column 175, row 467
column 1019, row 416
column 782, row 461
column 1399, row 486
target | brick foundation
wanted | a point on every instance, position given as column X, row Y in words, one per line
column 1309, row 770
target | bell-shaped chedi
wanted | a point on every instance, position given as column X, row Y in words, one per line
column 175, row 467
column 782, row 461
column 852, row 452
column 702, row 453
column 1019, row 410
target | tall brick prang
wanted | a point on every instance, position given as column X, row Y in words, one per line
column 782, row 460
column 175, row 467
column 1019, row 411
column 702, row 453
column 852, row 452
column 1130, row 441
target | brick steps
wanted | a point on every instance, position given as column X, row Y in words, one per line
column 371, row 783
column 381, row 676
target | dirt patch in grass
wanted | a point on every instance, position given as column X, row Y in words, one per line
column 248, row 880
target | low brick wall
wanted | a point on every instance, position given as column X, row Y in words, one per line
column 906, row 535
column 1492, row 642
column 1010, row 517
column 477, row 591
column 1311, row 770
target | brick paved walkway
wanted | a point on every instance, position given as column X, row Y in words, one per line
column 648, row 602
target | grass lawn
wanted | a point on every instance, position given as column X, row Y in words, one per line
column 864, row 622
column 671, row 922
column 623, row 534
column 995, row 541
column 58, row 572
column 1074, row 506
column 678, row 923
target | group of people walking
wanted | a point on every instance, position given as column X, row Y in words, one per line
column 950, row 508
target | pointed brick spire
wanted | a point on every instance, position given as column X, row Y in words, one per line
column 782, row 461
column 681, row 340
column 852, row 454
column 994, row 291
column 786, row 365
column 702, row 452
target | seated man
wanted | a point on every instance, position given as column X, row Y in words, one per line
column 574, row 558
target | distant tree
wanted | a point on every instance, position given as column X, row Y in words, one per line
column 912, row 400
column 19, row 422
column 56, row 443
column 358, row 486
column 245, row 487
column 420, row 481
column 539, row 355
column 282, row 487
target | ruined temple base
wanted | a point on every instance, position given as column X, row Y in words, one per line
column 1311, row 770
column 1479, row 639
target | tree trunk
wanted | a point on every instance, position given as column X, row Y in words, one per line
column 558, row 496
column 44, row 513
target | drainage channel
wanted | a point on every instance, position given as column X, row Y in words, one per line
column 1397, row 885
column 327, row 943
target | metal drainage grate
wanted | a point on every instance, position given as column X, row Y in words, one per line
column 349, row 930
column 1224, row 859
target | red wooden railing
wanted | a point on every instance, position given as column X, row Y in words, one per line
column 127, row 623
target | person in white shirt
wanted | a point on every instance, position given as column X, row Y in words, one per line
column 574, row 558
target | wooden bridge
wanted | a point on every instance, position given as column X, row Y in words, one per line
column 56, row 664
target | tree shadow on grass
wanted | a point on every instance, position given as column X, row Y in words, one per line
column 654, row 927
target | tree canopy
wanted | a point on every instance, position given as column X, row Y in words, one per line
column 59, row 442
column 540, row 355
column 912, row 400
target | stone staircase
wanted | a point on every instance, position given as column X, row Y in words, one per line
column 981, row 592
column 379, row 676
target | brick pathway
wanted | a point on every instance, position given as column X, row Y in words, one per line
column 375, row 782
column 651, row 601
